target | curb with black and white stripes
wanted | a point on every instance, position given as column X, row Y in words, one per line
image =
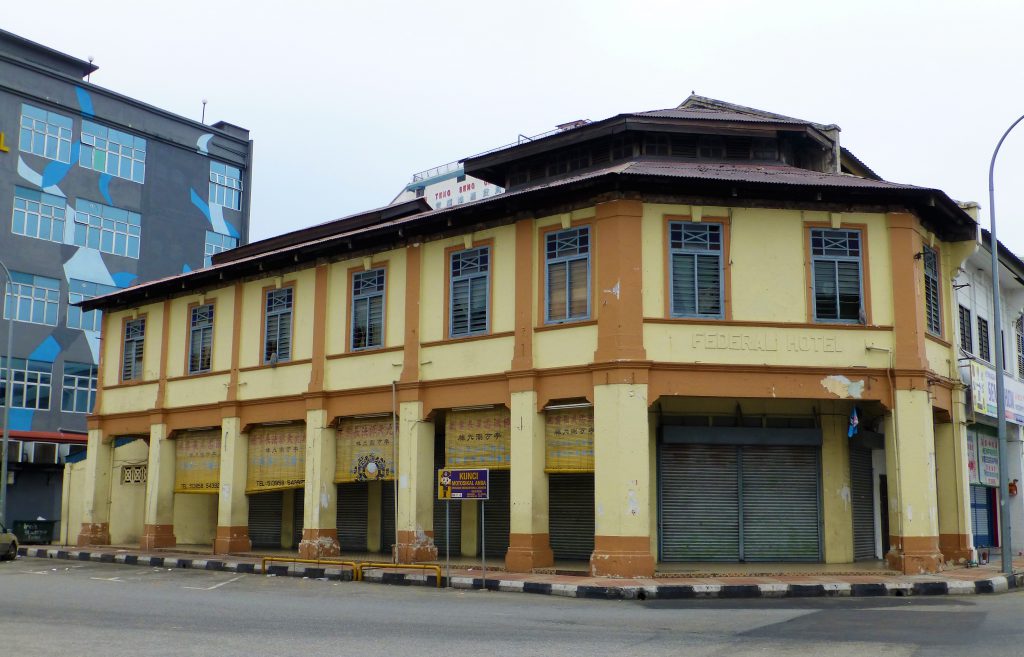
column 997, row 584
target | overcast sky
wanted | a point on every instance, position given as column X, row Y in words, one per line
column 346, row 100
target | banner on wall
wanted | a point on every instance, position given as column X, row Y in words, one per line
column 277, row 458
column 197, row 462
column 569, row 440
column 972, row 459
column 365, row 450
column 983, row 393
column 988, row 460
column 478, row 439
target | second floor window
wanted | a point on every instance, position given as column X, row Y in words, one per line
column 33, row 299
column 695, row 250
column 78, row 388
column 200, row 339
column 931, row 291
column 836, row 275
column 79, row 291
column 107, row 229
column 39, row 215
column 277, row 336
column 111, row 151
column 966, row 336
column 134, row 346
column 31, row 383
column 984, row 350
column 45, row 133
column 368, row 309
column 469, row 290
column 567, row 284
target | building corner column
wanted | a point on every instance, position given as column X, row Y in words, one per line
column 529, row 541
column 95, row 528
column 232, row 503
column 837, row 509
column 320, row 504
column 415, row 485
column 953, row 489
column 158, row 525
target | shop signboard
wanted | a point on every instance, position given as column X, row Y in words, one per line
column 364, row 450
column 462, row 484
column 479, row 439
column 983, row 393
column 972, row 459
column 197, row 462
column 988, row 460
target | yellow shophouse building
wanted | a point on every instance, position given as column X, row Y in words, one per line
column 657, row 340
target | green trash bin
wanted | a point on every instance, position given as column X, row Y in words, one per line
column 34, row 531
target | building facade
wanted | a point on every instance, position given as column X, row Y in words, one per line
column 98, row 192
column 701, row 333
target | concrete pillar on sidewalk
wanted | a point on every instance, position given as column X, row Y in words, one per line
column 837, row 510
column 96, row 490
column 232, row 503
column 529, row 542
column 320, row 505
column 158, row 523
column 415, row 485
column 469, row 524
column 953, row 490
column 288, row 518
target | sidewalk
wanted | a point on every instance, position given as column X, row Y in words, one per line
column 800, row 582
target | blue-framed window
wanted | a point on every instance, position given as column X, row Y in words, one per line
column 79, row 291
column 78, row 388
column 567, row 275
column 134, row 348
column 277, row 326
column 107, row 229
column 470, row 286
column 111, row 151
column 225, row 185
column 32, row 383
column 38, row 214
column 33, row 299
column 368, row 309
column 836, row 275
column 695, row 253
column 46, row 134
column 200, row 340
column 217, row 243
column 933, row 312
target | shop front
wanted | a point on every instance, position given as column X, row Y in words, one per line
column 275, row 478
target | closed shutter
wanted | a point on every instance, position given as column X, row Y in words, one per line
column 862, row 501
column 780, row 504
column 571, row 515
column 265, row 519
column 353, row 515
column 387, row 516
column 698, row 502
column 981, row 516
column 299, row 518
column 497, row 518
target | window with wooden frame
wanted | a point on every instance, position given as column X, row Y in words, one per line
column 966, row 331
column 695, row 254
column 470, row 287
column 200, row 340
column 567, row 275
column 277, row 326
column 368, row 309
column 134, row 345
column 984, row 348
column 933, row 312
column 836, row 275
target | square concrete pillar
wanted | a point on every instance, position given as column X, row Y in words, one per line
column 158, row 523
column 622, row 513
column 469, row 526
column 837, row 510
column 374, row 514
column 910, row 464
column 415, row 485
column 529, row 543
column 320, row 505
column 232, row 503
column 96, row 490
column 953, row 491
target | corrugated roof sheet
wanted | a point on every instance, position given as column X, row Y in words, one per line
column 717, row 115
column 750, row 173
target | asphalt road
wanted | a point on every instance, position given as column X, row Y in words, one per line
column 50, row 607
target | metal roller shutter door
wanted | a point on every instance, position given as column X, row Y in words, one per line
column 265, row 519
column 698, row 503
column 497, row 520
column 353, row 516
column 571, row 515
column 455, row 529
column 298, row 507
column 862, row 501
column 387, row 516
column 780, row 518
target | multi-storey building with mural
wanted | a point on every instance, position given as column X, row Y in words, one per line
column 98, row 192
column 701, row 333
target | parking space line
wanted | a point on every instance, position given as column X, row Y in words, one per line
column 215, row 586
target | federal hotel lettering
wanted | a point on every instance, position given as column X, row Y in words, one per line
column 765, row 342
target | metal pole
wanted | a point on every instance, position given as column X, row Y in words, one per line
column 448, row 541
column 1004, row 489
column 394, row 463
column 483, row 546
column 7, row 402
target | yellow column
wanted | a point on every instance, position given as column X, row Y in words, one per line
column 374, row 519
column 232, row 504
column 953, row 480
column 470, row 527
column 910, row 464
column 96, row 489
column 837, row 510
column 415, row 485
column 288, row 518
column 529, row 543
column 158, row 528
column 622, row 514
column 320, row 505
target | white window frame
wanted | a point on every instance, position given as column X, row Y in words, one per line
column 108, row 229
column 109, row 151
column 29, row 375
column 78, row 384
column 225, row 185
column 41, row 209
column 217, row 243
column 46, row 134
column 37, row 293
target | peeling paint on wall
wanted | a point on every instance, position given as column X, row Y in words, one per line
column 842, row 387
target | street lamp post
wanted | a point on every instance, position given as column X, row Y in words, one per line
column 1004, row 488
column 7, row 403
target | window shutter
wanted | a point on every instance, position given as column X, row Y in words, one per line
column 284, row 336
column 478, row 305
column 578, row 288
column 825, row 305
column 376, row 322
column 557, row 288
column 709, row 271
column 684, row 279
column 460, row 307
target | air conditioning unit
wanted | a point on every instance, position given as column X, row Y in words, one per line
column 14, row 451
column 45, row 453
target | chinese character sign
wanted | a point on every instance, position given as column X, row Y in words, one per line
column 478, row 439
column 569, row 440
column 277, row 458
column 988, row 460
column 972, row 459
column 197, row 462
column 365, row 450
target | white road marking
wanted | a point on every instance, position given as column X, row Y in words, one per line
column 215, row 586
column 109, row 579
column 36, row 572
